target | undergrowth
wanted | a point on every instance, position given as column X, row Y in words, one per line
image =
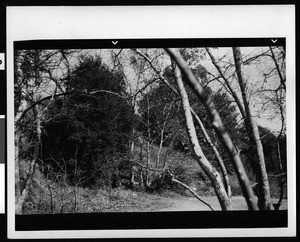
column 49, row 197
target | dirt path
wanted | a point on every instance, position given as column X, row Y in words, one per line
column 193, row 204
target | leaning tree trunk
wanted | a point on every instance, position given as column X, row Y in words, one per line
column 19, row 199
column 240, row 105
column 218, row 126
column 264, row 201
column 216, row 152
column 18, row 204
column 209, row 170
column 22, row 191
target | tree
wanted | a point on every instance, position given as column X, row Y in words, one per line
column 166, row 78
column 47, row 84
column 264, row 201
column 162, row 99
column 213, row 175
column 89, row 129
column 32, row 77
column 218, row 125
column 247, row 107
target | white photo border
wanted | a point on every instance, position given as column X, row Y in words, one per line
column 148, row 22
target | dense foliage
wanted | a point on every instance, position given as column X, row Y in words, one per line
column 88, row 132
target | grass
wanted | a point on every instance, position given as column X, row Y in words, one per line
column 64, row 200
column 49, row 197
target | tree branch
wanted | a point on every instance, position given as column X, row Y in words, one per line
column 193, row 192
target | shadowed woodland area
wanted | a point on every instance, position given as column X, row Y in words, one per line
column 125, row 130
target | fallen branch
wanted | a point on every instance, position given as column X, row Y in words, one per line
column 179, row 182
column 193, row 192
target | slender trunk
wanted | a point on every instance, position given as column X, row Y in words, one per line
column 240, row 107
column 282, row 79
column 216, row 152
column 162, row 133
column 218, row 126
column 22, row 196
column 148, row 144
column 264, row 201
column 141, row 159
column 244, row 113
column 168, row 151
column 214, row 148
column 277, row 206
column 223, row 168
column 19, row 198
column 18, row 192
column 51, row 198
column 22, row 192
column 213, row 175
column 132, row 142
column 160, row 148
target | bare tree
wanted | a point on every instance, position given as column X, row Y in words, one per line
column 197, row 118
column 36, row 87
column 24, row 186
column 209, row 170
column 264, row 201
column 218, row 125
column 259, row 166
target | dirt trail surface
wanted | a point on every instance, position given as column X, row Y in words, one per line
column 193, row 204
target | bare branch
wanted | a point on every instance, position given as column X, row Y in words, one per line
column 193, row 192
column 232, row 92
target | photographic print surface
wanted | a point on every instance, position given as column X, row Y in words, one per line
column 141, row 134
column 110, row 130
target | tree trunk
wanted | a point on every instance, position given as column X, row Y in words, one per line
column 216, row 152
column 264, row 201
column 278, row 204
column 148, row 144
column 241, row 108
column 218, row 126
column 18, row 203
column 282, row 79
column 209, row 170
column 22, row 193
column 19, row 192
column 220, row 160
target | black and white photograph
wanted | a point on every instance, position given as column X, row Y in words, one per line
column 164, row 134
column 141, row 130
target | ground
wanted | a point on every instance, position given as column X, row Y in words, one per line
column 193, row 204
column 125, row 200
column 53, row 198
